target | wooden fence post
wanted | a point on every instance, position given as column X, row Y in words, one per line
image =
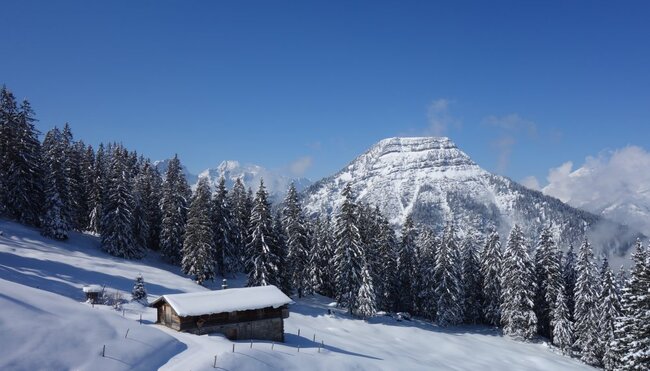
column 215, row 362
column 127, row 333
column 233, row 348
column 104, row 351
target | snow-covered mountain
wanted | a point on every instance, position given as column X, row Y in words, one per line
column 276, row 182
column 436, row 182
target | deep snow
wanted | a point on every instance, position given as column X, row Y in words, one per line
column 45, row 324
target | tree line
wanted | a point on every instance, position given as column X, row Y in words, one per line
column 353, row 255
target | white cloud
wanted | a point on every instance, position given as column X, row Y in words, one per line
column 531, row 182
column 615, row 184
column 511, row 128
column 301, row 165
column 440, row 119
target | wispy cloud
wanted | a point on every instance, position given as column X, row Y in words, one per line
column 511, row 129
column 531, row 182
column 440, row 117
column 301, row 165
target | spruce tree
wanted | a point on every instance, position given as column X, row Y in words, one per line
column 198, row 241
column 117, row 222
column 226, row 256
column 263, row 264
column 630, row 349
column 518, row 289
column 366, row 302
column 586, row 314
column 406, row 267
column 609, row 308
column 8, row 135
column 491, row 260
column 279, row 248
column 175, row 197
column 139, row 293
column 561, row 324
column 569, row 277
column 472, row 284
column 294, row 224
column 56, row 220
column 97, row 196
column 428, row 243
column 386, row 287
column 448, row 280
column 348, row 255
column 240, row 218
column 548, row 278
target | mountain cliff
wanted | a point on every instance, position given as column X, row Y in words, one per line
column 431, row 179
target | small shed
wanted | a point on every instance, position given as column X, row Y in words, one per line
column 243, row 313
column 92, row 293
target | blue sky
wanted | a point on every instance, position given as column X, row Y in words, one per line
column 521, row 86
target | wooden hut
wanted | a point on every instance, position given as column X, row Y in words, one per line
column 244, row 313
column 92, row 293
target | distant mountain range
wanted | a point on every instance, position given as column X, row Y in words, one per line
column 275, row 182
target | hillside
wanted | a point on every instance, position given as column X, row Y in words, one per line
column 49, row 327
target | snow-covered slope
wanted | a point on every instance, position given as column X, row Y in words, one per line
column 436, row 182
column 45, row 326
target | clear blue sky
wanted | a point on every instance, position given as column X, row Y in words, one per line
column 521, row 86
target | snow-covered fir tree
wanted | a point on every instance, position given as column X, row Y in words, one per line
column 472, row 284
column 386, row 266
column 297, row 241
column 609, row 308
column 490, row 261
column 54, row 223
column 117, row 222
column 150, row 192
column 280, row 250
column 240, row 218
column 548, row 278
column 630, row 349
column 226, row 256
column 406, row 267
column 20, row 161
column 518, row 289
column 586, row 309
column 56, row 186
column 174, row 203
column 561, row 324
column 139, row 292
column 366, row 302
column 448, row 280
column 198, row 241
column 569, row 277
column 321, row 258
column 428, row 245
column 97, row 192
column 348, row 254
column 263, row 263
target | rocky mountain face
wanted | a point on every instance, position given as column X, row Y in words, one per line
column 437, row 183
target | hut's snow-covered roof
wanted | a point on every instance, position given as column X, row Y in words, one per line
column 92, row 288
column 221, row 301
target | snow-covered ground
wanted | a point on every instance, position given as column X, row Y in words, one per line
column 45, row 325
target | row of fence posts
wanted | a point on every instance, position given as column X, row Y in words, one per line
column 321, row 345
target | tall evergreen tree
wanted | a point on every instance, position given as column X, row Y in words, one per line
column 366, row 306
column 175, row 197
column 226, row 256
column 56, row 221
column 21, row 160
column 630, row 349
column 448, row 280
column 263, row 264
column 406, row 267
column 562, row 326
column 117, row 222
column 8, row 133
column 279, row 248
column 491, row 260
column 472, row 284
column 198, row 241
column 518, row 289
column 609, row 308
column 239, row 223
column 348, row 255
column 295, row 229
column 569, row 276
column 586, row 313
column 321, row 257
column 97, row 195
column 385, row 267
column 548, row 278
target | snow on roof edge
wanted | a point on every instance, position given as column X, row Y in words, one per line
column 221, row 301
